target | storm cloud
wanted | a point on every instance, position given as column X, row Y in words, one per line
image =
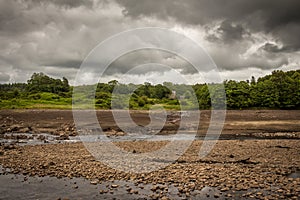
column 275, row 17
column 55, row 36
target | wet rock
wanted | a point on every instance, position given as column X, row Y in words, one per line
column 224, row 189
column 24, row 130
column 120, row 133
column 32, row 129
column 229, row 195
column 22, row 137
column 66, row 129
column 114, row 186
column 133, row 191
column 113, row 132
column 94, row 182
column 41, row 137
column 155, row 196
column 154, row 188
column 216, row 195
column 2, row 130
column 15, row 127
column 62, row 137
column 9, row 146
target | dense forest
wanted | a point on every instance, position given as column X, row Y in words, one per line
column 279, row 90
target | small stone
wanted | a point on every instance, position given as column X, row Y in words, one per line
column 132, row 191
column 155, row 196
column 154, row 188
column 216, row 195
column 94, row 182
column 224, row 189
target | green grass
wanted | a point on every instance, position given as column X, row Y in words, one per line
column 27, row 103
column 66, row 103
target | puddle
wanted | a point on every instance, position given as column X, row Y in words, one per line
column 295, row 174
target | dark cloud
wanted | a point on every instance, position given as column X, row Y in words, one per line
column 228, row 32
column 54, row 36
column 273, row 48
column 273, row 12
column 128, row 62
column 231, row 32
column 66, row 63
column 276, row 17
column 19, row 17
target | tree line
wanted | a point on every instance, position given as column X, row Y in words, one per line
column 279, row 90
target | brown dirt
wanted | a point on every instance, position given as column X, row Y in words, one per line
column 238, row 122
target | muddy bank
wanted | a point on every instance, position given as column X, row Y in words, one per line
column 253, row 123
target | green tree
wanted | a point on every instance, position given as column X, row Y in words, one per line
column 40, row 82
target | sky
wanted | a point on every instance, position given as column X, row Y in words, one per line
column 243, row 38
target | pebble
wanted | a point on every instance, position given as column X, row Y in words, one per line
column 216, row 195
column 95, row 182
column 114, row 186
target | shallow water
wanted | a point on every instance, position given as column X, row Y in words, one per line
column 16, row 186
column 295, row 174
column 34, row 139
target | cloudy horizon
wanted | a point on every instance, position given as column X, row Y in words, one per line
column 244, row 38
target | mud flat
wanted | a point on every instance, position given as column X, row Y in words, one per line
column 278, row 124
